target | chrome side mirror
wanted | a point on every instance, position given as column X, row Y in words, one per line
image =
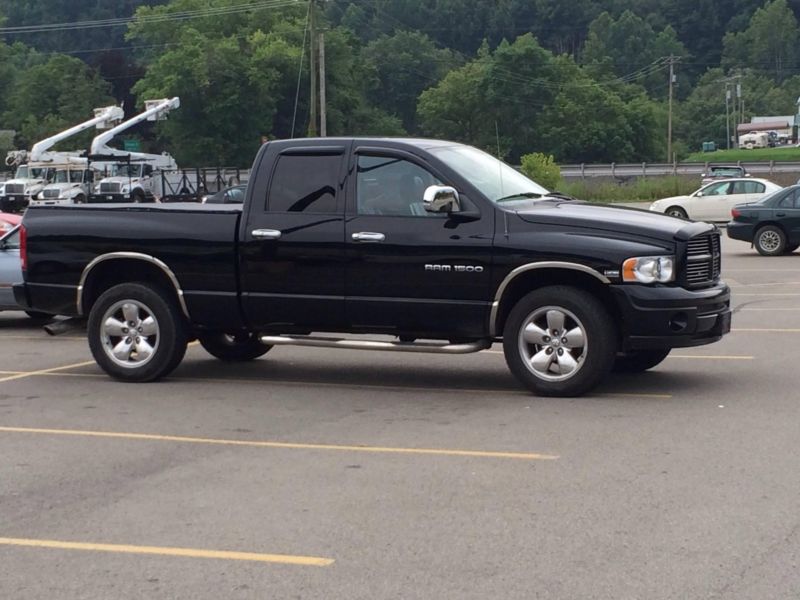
column 441, row 199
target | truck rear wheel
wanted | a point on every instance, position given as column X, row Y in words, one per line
column 234, row 347
column 136, row 332
column 639, row 360
column 559, row 341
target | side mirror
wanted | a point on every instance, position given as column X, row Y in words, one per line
column 698, row 193
column 441, row 199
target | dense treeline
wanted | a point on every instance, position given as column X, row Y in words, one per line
column 584, row 80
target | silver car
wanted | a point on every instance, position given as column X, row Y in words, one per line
column 11, row 273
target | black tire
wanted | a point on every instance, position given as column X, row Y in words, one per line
column 167, row 343
column 770, row 241
column 639, row 360
column 80, row 199
column 137, row 197
column 580, row 311
column 791, row 248
column 233, row 347
column 676, row 211
column 38, row 316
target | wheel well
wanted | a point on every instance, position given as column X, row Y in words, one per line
column 774, row 224
column 537, row 278
column 123, row 270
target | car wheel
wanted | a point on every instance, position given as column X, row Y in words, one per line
column 136, row 332
column 80, row 199
column 137, row 197
column 770, row 241
column 677, row 211
column 639, row 360
column 559, row 341
column 791, row 248
column 234, row 347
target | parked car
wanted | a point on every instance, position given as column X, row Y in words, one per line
column 8, row 221
column 231, row 195
column 11, row 272
column 723, row 172
column 772, row 225
column 714, row 201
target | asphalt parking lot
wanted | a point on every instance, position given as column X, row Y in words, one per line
column 325, row 474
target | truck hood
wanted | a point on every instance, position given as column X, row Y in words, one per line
column 26, row 181
column 611, row 218
column 122, row 180
column 61, row 186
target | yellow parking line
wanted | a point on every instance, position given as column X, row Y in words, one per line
column 22, row 374
column 286, row 559
column 45, row 371
column 289, row 445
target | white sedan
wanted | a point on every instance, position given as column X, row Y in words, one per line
column 714, row 201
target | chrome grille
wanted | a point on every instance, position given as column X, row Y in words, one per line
column 50, row 194
column 15, row 188
column 109, row 188
column 703, row 259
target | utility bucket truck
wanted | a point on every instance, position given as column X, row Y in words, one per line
column 40, row 166
column 134, row 176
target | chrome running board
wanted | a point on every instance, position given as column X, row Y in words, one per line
column 348, row 344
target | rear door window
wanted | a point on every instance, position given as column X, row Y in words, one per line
column 305, row 183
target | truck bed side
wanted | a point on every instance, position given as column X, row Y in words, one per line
column 190, row 247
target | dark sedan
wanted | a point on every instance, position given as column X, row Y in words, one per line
column 231, row 195
column 772, row 224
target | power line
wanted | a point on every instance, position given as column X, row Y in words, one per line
column 147, row 19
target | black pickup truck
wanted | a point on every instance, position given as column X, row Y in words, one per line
column 436, row 244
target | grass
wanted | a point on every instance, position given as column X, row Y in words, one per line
column 638, row 190
column 784, row 153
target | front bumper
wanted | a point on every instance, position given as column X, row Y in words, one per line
column 13, row 203
column 672, row 317
column 110, row 197
column 52, row 202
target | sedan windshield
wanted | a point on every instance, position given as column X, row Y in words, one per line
column 495, row 179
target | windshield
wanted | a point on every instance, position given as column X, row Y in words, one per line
column 495, row 179
column 27, row 172
column 73, row 176
column 127, row 170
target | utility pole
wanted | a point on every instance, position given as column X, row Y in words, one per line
column 728, row 116
column 741, row 107
column 323, row 125
column 312, row 124
column 672, row 61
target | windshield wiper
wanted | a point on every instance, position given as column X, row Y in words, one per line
column 520, row 195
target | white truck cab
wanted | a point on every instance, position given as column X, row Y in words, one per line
column 71, row 185
column 28, row 180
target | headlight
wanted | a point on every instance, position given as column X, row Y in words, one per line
column 124, row 189
column 649, row 269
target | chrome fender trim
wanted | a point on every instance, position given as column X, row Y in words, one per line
column 136, row 256
column 548, row 264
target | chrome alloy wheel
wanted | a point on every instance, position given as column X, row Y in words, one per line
column 769, row 240
column 130, row 333
column 552, row 342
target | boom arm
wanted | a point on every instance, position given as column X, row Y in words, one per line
column 102, row 116
column 156, row 109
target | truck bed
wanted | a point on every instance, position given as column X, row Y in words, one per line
column 197, row 241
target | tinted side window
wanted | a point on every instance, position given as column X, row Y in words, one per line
column 717, row 189
column 392, row 186
column 788, row 200
column 304, row 183
column 748, row 187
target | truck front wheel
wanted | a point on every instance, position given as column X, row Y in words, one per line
column 136, row 332
column 233, row 347
column 559, row 341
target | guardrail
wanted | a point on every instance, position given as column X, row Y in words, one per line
column 661, row 169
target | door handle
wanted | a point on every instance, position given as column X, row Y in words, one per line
column 368, row 236
column 266, row 234
column 780, row 214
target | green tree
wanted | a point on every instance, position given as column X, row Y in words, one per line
column 542, row 168
column 769, row 43
column 53, row 95
column 399, row 67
